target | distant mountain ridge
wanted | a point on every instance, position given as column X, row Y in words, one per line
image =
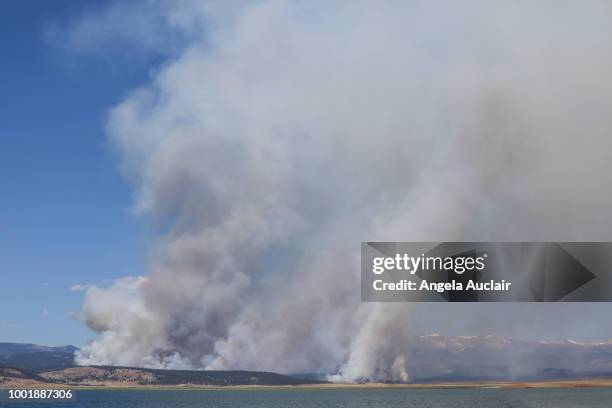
column 32, row 363
column 436, row 357
column 8, row 349
column 430, row 358
column 35, row 357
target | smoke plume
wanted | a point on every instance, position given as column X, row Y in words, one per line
column 285, row 133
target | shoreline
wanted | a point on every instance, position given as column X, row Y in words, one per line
column 586, row 383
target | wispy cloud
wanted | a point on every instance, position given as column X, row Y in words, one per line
column 79, row 287
column 131, row 29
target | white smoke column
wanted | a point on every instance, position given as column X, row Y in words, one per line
column 286, row 132
column 378, row 351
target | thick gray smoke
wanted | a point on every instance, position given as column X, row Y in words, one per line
column 284, row 133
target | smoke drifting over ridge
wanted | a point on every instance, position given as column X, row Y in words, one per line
column 285, row 133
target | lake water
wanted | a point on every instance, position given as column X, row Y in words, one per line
column 299, row 398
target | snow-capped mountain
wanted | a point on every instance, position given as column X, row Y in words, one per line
column 435, row 358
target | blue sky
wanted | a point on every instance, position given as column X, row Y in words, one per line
column 64, row 209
